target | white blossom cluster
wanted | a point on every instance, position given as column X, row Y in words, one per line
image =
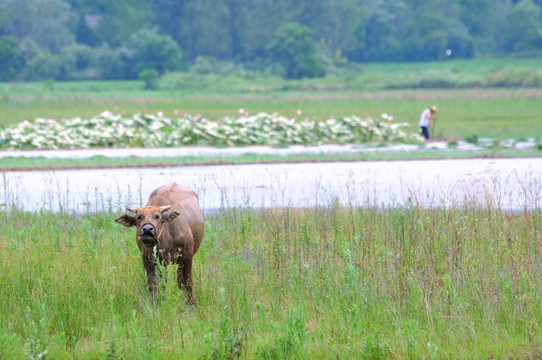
column 146, row 130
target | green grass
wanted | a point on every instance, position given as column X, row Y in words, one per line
column 41, row 163
column 337, row 282
column 487, row 109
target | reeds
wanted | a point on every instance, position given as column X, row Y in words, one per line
column 341, row 281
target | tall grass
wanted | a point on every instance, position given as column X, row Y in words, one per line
column 285, row 283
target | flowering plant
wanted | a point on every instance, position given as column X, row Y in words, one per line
column 147, row 130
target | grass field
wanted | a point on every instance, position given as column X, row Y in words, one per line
column 338, row 282
column 371, row 89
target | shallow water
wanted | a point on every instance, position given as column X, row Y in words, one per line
column 511, row 184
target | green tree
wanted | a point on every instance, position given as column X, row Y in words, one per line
column 333, row 22
column 120, row 19
column 294, row 48
column 49, row 23
column 524, row 31
column 85, row 35
column 154, row 51
column 380, row 31
column 150, row 77
column 10, row 58
column 115, row 63
column 459, row 40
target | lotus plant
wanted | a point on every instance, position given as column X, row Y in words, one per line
column 146, row 130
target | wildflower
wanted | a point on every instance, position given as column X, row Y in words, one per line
column 384, row 116
column 160, row 114
column 390, row 118
column 51, row 121
column 298, row 111
column 241, row 111
column 176, row 112
column 116, row 108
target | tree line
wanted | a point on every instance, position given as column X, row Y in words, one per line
column 127, row 39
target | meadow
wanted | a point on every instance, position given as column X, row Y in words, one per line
column 339, row 282
column 489, row 98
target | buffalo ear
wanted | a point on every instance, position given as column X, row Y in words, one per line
column 169, row 215
column 126, row 220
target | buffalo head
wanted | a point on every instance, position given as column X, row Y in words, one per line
column 148, row 221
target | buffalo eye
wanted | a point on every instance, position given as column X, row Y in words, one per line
column 157, row 216
column 139, row 217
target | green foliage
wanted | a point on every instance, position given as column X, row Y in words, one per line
column 146, row 49
column 294, row 48
column 154, row 51
column 85, row 35
column 228, row 344
column 150, row 77
column 115, row 63
column 524, row 30
column 145, row 130
column 288, row 341
column 242, row 31
column 335, row 282
column 473, row 139
column 10, row 58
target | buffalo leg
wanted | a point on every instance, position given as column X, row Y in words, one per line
column 184, row 279
column 150, row 268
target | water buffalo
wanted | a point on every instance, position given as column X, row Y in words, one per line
column 171, row 227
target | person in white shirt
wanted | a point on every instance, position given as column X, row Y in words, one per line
column 425, row 119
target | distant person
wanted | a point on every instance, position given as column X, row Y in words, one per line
column 425, row 119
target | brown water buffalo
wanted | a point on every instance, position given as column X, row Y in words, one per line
column 170, row 226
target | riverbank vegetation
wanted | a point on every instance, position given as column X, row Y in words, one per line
column 340, row 281
column 97, row 162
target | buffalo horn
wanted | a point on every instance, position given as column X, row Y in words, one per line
column 164, row 208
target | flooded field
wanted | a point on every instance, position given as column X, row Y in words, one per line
column 510, row 184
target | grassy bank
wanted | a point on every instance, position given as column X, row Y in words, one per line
column 283, row 283
column 41, row 163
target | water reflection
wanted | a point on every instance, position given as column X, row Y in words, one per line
column 511, row 184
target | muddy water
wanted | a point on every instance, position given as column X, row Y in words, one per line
column 512, row 184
